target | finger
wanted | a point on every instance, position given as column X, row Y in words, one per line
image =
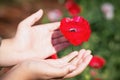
column 69, row 57
column 78, row 58
column 32, row 19
column 81, row 67
column 51, row 26
column 86, row 53
column 59, row 40
column 61, row 46
column 56, row 34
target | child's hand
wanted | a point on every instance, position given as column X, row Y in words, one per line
column 66, row 67
column 40, row 41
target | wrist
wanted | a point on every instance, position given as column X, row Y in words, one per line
column 18, row 72
column 5, row 48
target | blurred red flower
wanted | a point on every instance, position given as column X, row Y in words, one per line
column 97, row 62
column 97, row 79
column 54, row 56
column 76, row 30
column 93, row 73
column 72, row 7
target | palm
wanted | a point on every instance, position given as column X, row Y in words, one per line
column 37, row 40
column 30, row 41
column 66, row 67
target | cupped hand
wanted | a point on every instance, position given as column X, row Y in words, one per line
column 66, row 67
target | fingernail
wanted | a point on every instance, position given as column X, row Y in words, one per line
column 89, row 51
column 90, row 57
column 39, row 11
column 82, row 51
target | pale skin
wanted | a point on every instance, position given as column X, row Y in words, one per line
column 66, row 67
column 39, row 41
column 30, row 47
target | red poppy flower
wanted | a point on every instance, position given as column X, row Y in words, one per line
column 76, row 30
column 97, row 62
column 72, row 7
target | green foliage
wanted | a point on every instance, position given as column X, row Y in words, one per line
column 104, row 41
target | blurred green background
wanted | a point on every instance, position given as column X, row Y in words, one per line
column 105, row 37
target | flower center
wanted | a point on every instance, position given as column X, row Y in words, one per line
column 73, row 30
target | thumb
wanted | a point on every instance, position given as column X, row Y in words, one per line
column 23, row 31
column 32, row 19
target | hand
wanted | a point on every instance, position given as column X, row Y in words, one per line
column 40, row 41
column 66, row 67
